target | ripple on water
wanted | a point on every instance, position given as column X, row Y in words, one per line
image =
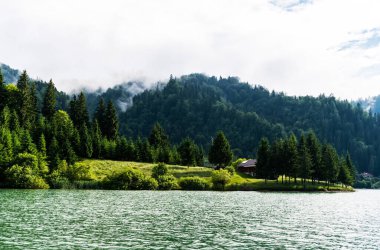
column 77, row 219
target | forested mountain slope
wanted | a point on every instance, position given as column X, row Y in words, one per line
column 198, row 106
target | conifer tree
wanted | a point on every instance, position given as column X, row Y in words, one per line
column 86, row 143
column 42, row 145
column 290, row 156
column 158, row 137
column 263, row 160
column 100, row 116
column 304, row 160
column 220, row 152
column 49, row 102
column 27, row 108
column 83, row 116
column 96, row 140
column 112, row 123
column 314, row 147
column 351, row 168
column 188, row 152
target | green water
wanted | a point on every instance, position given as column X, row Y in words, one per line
column 70, row 219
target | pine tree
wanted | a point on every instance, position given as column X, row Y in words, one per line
column 220, row 152
column 27, row 145
column 263, row 156
column 291, row 155
column 158, row 137
column 314, row 147
column 27, row 105
column 100, row 116
column 86, row 143
column 188, row 152
column 351, row 168
column 304, row 160
column 330, row 164
column 112, row 123
column 83, row 116
column 42, row 145
column 49, row 103
column 6, row 148
column 96, row 140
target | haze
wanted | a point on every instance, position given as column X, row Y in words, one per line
column 300, row 47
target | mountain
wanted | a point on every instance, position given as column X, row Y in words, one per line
column 198, row 106
column 10, row 75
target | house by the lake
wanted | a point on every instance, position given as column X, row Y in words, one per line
column 248, row 167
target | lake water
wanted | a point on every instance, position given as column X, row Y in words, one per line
column 80, row 219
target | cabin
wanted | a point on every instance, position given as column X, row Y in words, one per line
column 248, row 167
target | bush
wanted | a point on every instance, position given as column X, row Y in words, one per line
column 220, row 178
column 231, row 170
column 159, row 169
column 167, row 182
column 23, row 177
column 194, row 183
column 129, row 179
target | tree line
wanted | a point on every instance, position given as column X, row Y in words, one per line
column 35, row 141
column 305, row 159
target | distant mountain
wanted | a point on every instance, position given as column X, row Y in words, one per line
column 10, row 75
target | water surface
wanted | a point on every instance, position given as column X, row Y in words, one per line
column 82, row 219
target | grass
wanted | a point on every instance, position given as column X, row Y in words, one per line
column 240, row 181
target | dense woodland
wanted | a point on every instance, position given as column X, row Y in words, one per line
column 35, row 117
column 197, row 106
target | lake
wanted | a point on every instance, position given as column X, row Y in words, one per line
column 84, row 219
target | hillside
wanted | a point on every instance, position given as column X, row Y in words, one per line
column 198, row 106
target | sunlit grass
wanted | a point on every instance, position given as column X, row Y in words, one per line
column 239, row 181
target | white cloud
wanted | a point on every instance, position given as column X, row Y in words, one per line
column 290, row 45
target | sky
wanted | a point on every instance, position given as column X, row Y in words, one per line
column 300, row 47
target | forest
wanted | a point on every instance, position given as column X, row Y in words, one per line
column 40, row 144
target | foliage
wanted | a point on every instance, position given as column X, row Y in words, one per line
column 220, row 152
column 130, row 179
column 220, row 179
column 193, row 183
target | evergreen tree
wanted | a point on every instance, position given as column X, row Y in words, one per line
column 27, row 145
column 188, row 152
column 27, row 108
column 158, row 137
column 100, row 116
column 112, row 123
column 344, row 176
column 6, row 148
column 330, row 164
column 49, row 102
column 42, row 145
column 96, row 140
column 220, row 152
column 304, row 160
column 83, row 116
column 263, row 160
column 86, row 143
column 351, row 168
column 314, row 147
column 290, row 157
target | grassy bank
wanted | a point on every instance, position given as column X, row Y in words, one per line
column 100, row 169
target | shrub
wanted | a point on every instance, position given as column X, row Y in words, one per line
column 167, row 182
column 23, row 177
column 231, row 170
column 159, row 169
column 220, row 178
column 194, row 183
column 129, row 179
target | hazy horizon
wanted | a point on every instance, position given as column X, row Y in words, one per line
column 300, row 47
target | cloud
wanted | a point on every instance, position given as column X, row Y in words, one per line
column 283, row 45
column 291, row 5
column 366, row 39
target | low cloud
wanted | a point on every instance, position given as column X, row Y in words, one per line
column 283, row 45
